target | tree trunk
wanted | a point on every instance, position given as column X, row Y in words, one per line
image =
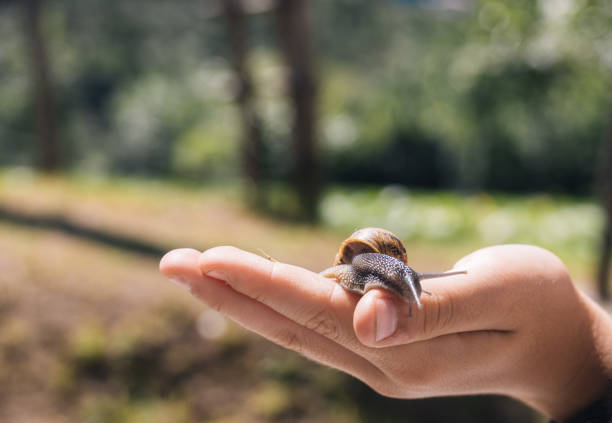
column 294, row 37
column 252, row 139
column 606, row 194
column 41, row 86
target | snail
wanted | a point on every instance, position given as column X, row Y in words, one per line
column 376, row 258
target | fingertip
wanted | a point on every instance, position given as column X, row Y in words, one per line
column 218, row 257
column 178, row 262
column 226, row 262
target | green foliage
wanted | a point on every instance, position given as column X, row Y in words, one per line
column 497, row 95
column 568, row 227
column 506, row 96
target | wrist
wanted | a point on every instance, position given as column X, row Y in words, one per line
column 592, row 377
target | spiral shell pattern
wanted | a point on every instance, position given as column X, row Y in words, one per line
column 371, row 240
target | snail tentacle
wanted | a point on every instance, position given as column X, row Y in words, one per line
column 441, row 274
column 412, row 284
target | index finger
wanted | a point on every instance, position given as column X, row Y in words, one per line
column 315, row 302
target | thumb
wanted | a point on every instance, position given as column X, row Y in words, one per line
column 483, row 299
column 382, row 319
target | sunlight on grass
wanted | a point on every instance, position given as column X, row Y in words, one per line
column 568, row 227
column 174, row 213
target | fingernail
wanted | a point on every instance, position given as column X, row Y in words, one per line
column 180, row 281
column 386, row 319
column 216, row 275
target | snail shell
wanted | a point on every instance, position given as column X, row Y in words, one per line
column 375, row 258
column 371, row 240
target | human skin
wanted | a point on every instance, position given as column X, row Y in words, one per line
column 514, row 325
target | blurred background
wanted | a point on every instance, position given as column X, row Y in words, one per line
column 129, row 128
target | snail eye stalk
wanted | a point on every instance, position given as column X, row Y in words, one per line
column 411, row 282
column 441, row 275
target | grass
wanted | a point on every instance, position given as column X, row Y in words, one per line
column 569, row 227
column 437, row 227
column 94, row 333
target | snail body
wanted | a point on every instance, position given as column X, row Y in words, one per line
column 375, row 258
